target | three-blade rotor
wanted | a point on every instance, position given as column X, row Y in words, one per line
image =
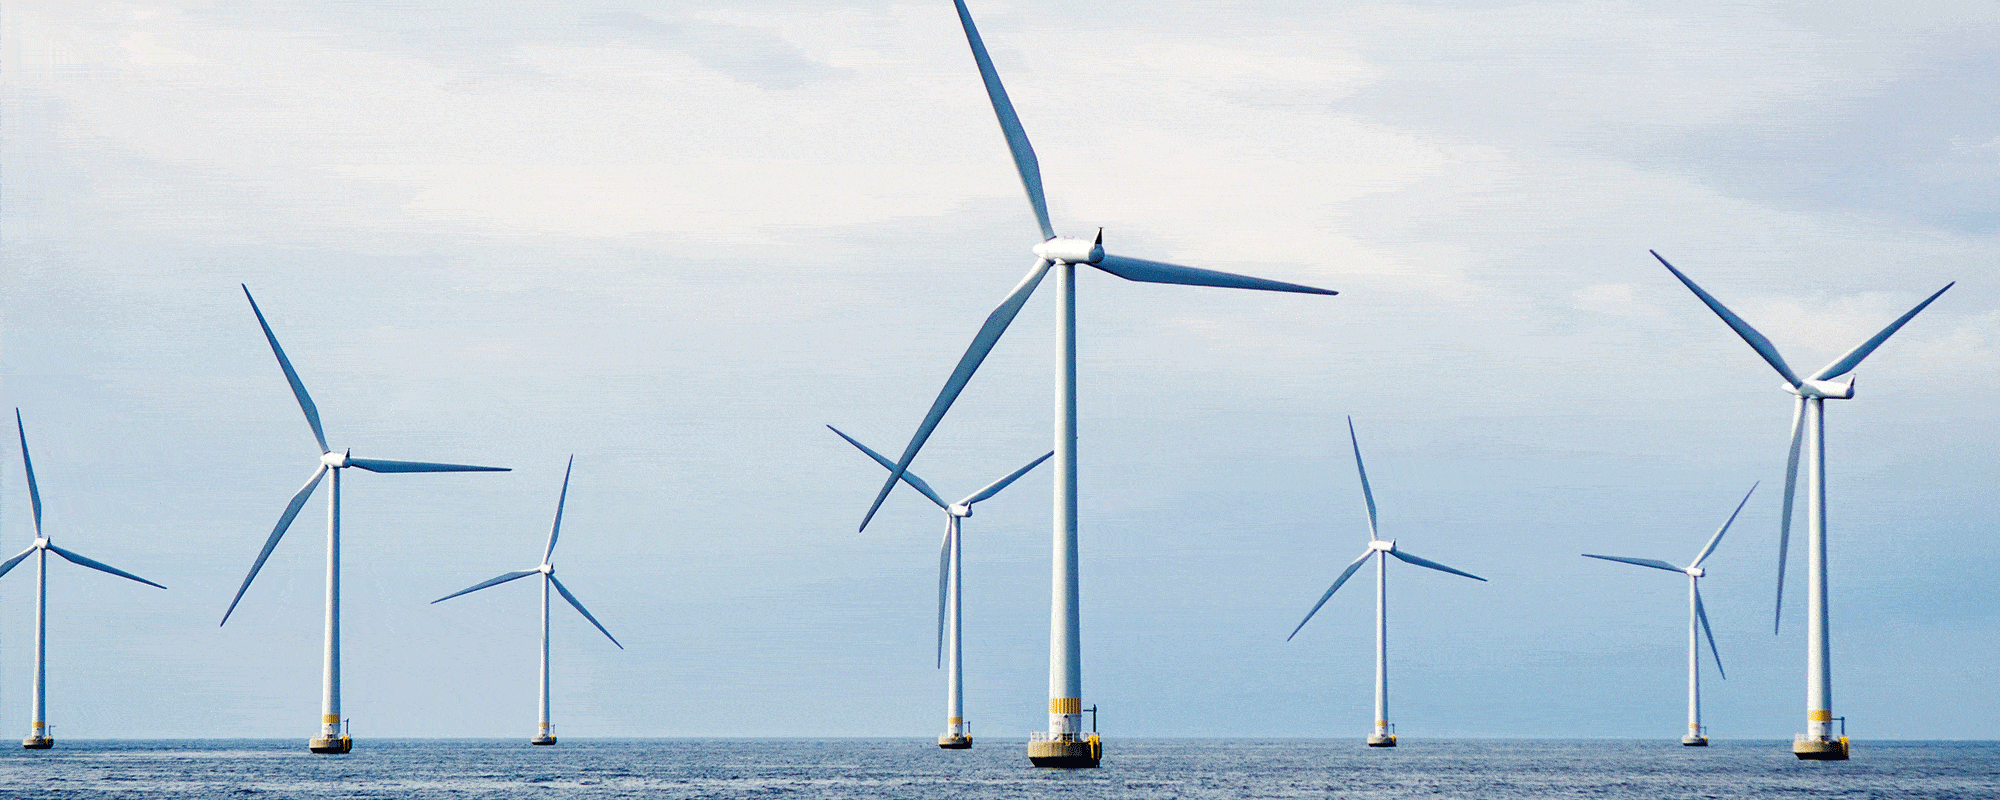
column 547, row 568
column 42, row 540
column 1694, row 573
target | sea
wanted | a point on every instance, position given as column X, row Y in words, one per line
column 1486, row 769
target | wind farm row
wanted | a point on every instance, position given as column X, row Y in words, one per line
column 1068, row 741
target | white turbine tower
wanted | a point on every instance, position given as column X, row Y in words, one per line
column 332, row 738
column 1379, row 549
column 1697, row 615
column 1064, row 744
column 39, row 736
column 1818, row 743
column 957, row 736
column 547, row 570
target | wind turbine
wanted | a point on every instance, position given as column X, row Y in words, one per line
column 1064, row 744
column 332, row 737
column 1696, row 614
column 547, row 570
column 1809, row 419
column 1379, row 549
column 38, row 732
column 956, row 736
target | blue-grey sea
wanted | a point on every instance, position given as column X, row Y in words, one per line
column 879, row 768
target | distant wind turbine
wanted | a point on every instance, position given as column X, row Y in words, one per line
column 1818, row 743
column 39, row 737
column 547, row 570
column 1695, row 737
column 332, row 738
column 1064, row 744
column 955, row 737
column 1377, row 546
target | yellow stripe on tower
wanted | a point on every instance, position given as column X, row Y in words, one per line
column 330, row 719
column 1066, row 705
column 954, row 721
column 38, row 726
column 1820, row 715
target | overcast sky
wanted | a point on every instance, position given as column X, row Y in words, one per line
column 679, row 243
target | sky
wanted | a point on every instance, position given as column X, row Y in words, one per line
column 679, row 243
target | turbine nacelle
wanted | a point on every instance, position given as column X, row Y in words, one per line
column 334, row 460
column 546, row 569
column 959, row 510
column 1384, row 545
column 1824, row 390
column 1694, row 572
column 1073, row 251
column 42, row 543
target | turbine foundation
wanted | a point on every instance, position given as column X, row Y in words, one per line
column 1381, row 740
column 39, row 740
column 331, row 745
column 543, row 739
column 1820, row 749
column 955, row 741
column 1694, row 740
column 1065, row 751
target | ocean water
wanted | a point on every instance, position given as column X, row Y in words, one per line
column 915, row 768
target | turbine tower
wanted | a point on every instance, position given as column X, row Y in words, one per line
column 1696, row 736
column 1065, row 743
column 1378, row 549
column 39, row 737
column 1818, row 743
column 957, row 736
column 547, row 570
column 332, row 738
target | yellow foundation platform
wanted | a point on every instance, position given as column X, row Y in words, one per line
column 1820, row 749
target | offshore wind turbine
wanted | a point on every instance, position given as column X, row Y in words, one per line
column 1064, row 744
column 1818, row 743
column 547, row 570
column 1379, row 549
column 1696, row 736
column 332, row 738
column 957, row 736
column 39, row 737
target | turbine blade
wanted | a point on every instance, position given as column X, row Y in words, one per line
column 1010, row 124
column 8, row 565
column 1644, row 562
column 483, row 584
column 284, row 523
column 1785, row 516
column 1844, row 364
column 561, row 499
column 944, row 575
column 1425, row 562
column 584, row 611
column 1344, row 575
column 908, row 477
column 291, row 375
column 1702, row 613
column 989, row 335
column 1717, row 538
column 100, row 566
column 34, row 492
column 995, row 487
column 1757, row 341
column 1142, row 270
column 1366, row 493
column 380, row 465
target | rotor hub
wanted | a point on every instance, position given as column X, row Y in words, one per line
column 1694, row 572
column 1384, row 545
column 42, row 543
column 334, row 460
column 1825, row 390
column 960, row 510
column 1074, row 251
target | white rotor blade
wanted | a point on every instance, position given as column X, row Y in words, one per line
column 8, row 565
column 995, row 487
column 944, row 576
column 1425, row 562
column 1785, row 516
column 561, row 499
column 1756, row 340
column 908, row 476
column 1644, row 562
column 380, row 465
column 34, row 492
column 291, row 375
column 1844, row 364
column 100, row 566
column 1344, row 575
column 1366, row 493
column 584, row 611
column 493, row 582
column 1142, row 270
column 1713, row 540
column 982, row 343
column 1702, row 613
column 278, row 532
column 1010, row 124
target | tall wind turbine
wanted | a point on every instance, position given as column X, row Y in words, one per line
column 1384, row 735
column 332, row 737
column 956, row 735
column 1064, row 744
column 1695, row 737
column 38, row 732
column 1818, row 743
column 547, row 570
